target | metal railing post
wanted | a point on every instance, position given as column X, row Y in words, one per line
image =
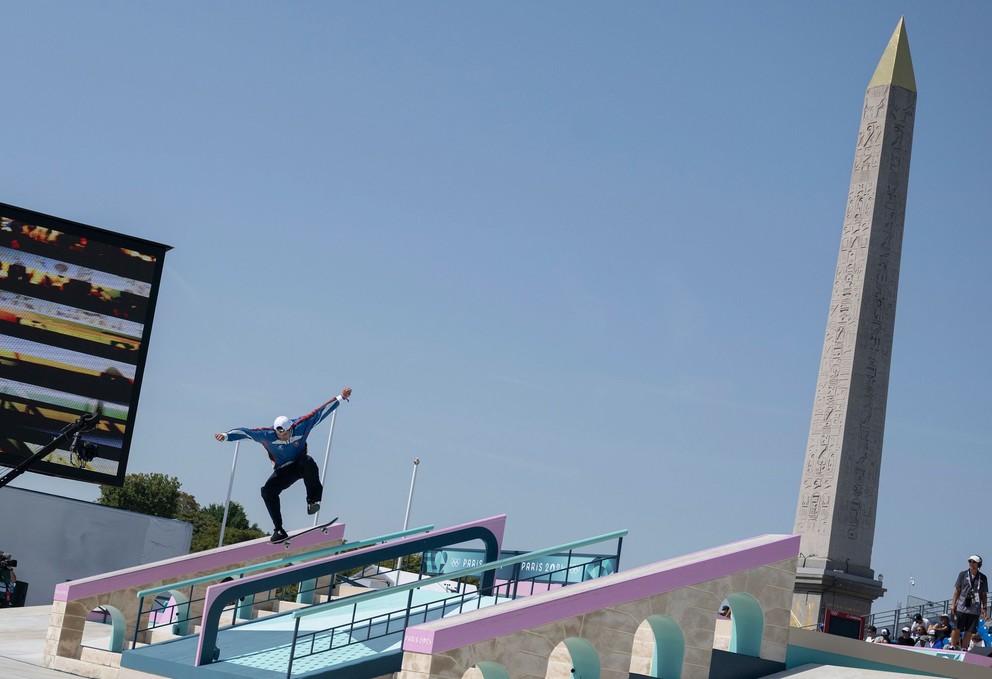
column 230, row 487
column 409, row 605
column 292, row 650
column 327, row 456
column 137, row 623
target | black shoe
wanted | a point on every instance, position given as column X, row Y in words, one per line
column 313, row 508
column 278, row 535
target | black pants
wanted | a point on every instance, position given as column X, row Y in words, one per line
column 283, row 477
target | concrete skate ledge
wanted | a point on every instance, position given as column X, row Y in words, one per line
column 490, row 530
column 182, row 566
column 611, row 590
column 117, row 591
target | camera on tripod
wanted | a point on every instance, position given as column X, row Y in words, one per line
column 6, row 562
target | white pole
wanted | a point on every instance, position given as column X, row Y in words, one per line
column 230, row 486
column 406, row 518
column 327, row 454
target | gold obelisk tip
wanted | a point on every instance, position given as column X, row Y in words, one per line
column 896, row 66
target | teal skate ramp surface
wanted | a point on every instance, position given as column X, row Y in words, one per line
column 261, row 648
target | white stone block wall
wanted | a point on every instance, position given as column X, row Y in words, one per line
column 619, row 637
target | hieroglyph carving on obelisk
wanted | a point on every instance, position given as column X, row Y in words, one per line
column 838, row 497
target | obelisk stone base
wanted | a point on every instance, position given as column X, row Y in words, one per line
column 818, row 589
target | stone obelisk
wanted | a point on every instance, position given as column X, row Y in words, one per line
column 839, row 492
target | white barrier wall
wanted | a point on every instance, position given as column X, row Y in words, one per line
column 55, row 539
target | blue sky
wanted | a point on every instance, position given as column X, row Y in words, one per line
column 576, row 257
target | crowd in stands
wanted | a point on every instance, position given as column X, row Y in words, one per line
column 963, row 628
column 927, row 635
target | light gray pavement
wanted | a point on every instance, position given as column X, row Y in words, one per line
column 22, row 642
column 23, row 630
column 833, row 672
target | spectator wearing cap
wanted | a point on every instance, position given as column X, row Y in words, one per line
column 905, row 638
column 286, row 444
column 940, row 631
column 918, row 630
column 883, row 637
column 872, row 634
column 968, row 604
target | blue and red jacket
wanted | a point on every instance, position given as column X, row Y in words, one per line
column 284, row 452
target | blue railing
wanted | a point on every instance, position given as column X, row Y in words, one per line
column 220, row 595
column 382, row 625
column 178, row 616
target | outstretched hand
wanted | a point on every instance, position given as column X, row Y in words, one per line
column 220, row 437
column 346, row 393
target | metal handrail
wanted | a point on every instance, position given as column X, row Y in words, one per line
column 348, row 629
column 327, row 551
column 217, row 594
column 928, row 609
column 464, row 573
column 456, row 575
column 240, row 572
column 423, row 610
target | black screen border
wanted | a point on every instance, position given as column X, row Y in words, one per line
column 116, row 239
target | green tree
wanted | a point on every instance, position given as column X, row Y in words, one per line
column 236, row 516
column 154, row 494
column 411, row 562
column 206, row 532
column 187, row 506
column 206, row 527
column 160, row 495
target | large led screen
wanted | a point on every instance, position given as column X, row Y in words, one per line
column 76, row 307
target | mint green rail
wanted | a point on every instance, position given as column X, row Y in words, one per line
column 286, row 560
column 180, row 625
column 467, row 572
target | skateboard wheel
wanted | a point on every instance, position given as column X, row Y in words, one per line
column 286, row 544
column 324, row 530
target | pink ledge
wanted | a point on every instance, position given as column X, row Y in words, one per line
column 594, row 595
column 182, row 567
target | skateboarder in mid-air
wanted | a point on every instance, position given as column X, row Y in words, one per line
column 286, row 444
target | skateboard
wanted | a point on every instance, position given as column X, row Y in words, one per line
column 322, row 528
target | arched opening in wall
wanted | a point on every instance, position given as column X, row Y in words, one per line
column 746, row 622
column 163, row 617
column 722, row 630
column 659, row 648
column 104, row 629
column 163, row 612
column 573, row 658
column 170, row 613
column 486, row 670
